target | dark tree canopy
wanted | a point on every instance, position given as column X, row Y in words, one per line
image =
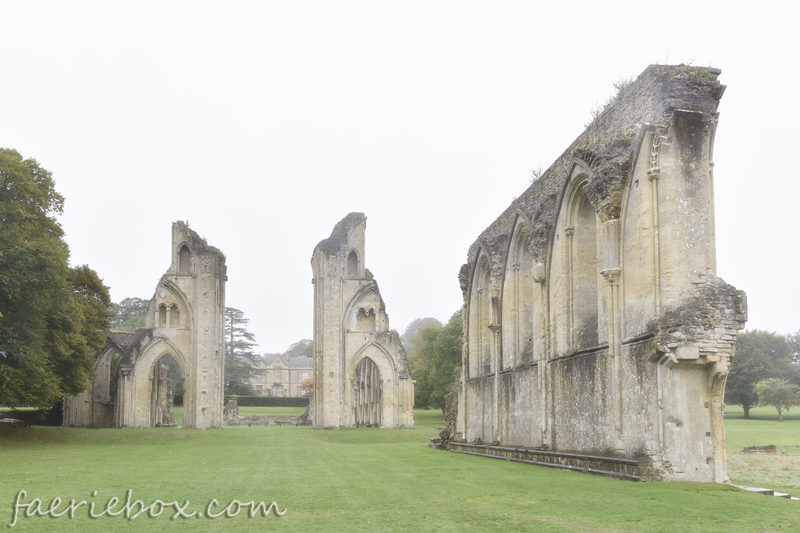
column 51, row 315
column 759, row 355
column 435, row 362
column 130, row 314
column 239, row 356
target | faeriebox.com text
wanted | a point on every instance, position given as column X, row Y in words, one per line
column 132, row 509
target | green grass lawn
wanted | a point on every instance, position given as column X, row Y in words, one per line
column 353, row 480
column 776, row 472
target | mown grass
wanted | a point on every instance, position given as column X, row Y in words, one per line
column 354, row 480
column 776, row 472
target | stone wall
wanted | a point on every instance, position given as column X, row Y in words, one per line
column 594, row 322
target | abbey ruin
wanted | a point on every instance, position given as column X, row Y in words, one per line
column 361, row 375
column 185, row 321
column 596, row 332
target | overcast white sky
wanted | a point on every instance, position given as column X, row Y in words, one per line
column 265, row 123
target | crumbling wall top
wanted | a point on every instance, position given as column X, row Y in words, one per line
column 607, row 145
column 199, row 244
column 337, row 242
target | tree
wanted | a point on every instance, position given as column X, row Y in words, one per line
column 435, row 362
column 794, row 343
column 239, row 355
column 778, row 393
column 306, row 386
column 77, row 330
column 412, row 331
column 759, row 355
column 301, row 348
column 130, row 314
column 50, row 315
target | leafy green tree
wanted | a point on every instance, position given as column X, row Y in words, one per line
column 410, row 335
column 759, row 355
column 777, row 393
column 130, row 314
column 76, row 331
column 239, row 356
column 435, row 362
column 50, row 314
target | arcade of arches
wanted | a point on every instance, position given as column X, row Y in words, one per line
column 594, row 322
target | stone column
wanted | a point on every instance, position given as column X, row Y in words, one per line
column 611, row 276
column 569, row 231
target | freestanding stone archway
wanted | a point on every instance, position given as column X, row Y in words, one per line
column 361, row 375
column 185, row 320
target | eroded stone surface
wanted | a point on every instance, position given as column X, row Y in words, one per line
column 594, row 322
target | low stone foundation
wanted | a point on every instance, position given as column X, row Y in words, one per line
column 615, row 467
column 266, row 420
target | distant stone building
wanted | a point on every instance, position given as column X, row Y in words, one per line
column 361, row 375
column 281, row 375
column 185, row 320
column 594, row 323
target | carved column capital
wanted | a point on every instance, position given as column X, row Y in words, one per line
column 611, row 275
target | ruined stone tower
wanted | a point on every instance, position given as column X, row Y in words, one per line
column 185, row 320
column 361, row 375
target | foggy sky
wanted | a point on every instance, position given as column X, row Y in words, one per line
column 262, row 124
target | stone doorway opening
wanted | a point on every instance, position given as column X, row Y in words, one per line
column 367, row 394
column 167, row 384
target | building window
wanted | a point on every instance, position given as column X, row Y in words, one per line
column 184, row 260
column 277, row 390
column 277, row 374
column 302, row 376
column 259, row 377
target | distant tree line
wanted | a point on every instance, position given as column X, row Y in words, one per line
column 765, row 371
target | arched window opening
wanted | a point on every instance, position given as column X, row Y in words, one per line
column 365, row 320
column 480, row 317
column 518, row 290
column 113, row 385
column 352, row 265
column 367, row 394
column 162, row 316
column 584, row 274
column 167, row 392
column 174, row 316
column 184, row 260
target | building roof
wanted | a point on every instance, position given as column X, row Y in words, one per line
column 291, row 362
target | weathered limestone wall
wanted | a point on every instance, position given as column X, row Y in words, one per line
column 594, row 320
column 185, row 319
column 361, row 374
